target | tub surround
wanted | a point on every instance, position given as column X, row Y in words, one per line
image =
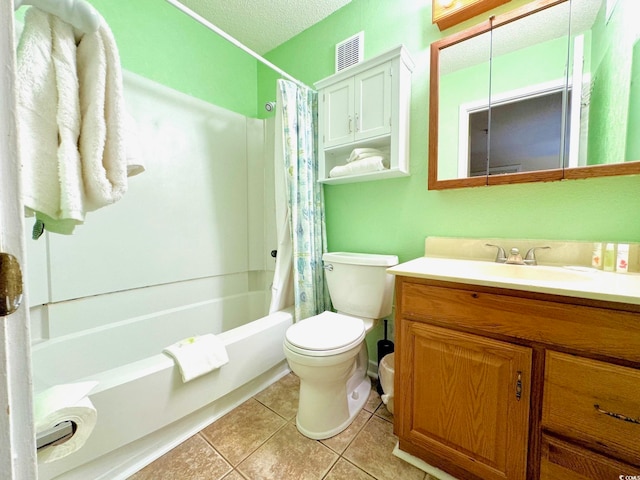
column 546, row 368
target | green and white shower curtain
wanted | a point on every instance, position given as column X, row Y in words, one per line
column 297, row 107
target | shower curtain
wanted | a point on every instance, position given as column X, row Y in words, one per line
column 300, row 209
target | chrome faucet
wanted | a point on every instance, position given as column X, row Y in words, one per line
column 501, row 256
column 530, row 257
column 514, row 257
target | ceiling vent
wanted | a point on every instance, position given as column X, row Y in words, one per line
column 349, row 51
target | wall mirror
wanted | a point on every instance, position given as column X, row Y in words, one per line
column 548, row 91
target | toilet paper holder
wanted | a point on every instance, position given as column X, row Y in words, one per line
column 60, row 433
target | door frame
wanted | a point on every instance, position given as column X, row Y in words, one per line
column 17, row 433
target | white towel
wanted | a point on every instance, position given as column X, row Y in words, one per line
column 102, row 140
column 49, row 119
column 360, row 153
column 69, row 87
column 196, row 356
column 365, row 165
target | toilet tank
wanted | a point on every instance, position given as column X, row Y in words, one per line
column 359, row 284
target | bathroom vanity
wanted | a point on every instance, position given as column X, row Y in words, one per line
column 530, row 373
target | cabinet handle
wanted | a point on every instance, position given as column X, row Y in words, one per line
column 350, row 124
column 619, row 416
column 519, row 386
column 357, row 122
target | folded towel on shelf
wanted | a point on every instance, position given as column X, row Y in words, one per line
column 70, row 120
column 365, row 165
column 196, row 356
column 360, row 153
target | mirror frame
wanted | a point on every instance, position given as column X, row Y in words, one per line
column 603, row 170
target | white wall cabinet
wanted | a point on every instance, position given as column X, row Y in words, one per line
column 366, row 105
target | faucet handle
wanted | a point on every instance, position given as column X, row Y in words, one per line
column 530, row 257
column 501, row 255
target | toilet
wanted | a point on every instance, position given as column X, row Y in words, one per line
column 328, row 352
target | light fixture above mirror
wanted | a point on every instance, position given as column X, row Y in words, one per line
column 447, row 13
column 581, row 74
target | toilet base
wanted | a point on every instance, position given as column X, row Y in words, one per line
column 356, row 400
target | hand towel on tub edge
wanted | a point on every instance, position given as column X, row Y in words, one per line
column 198, row 355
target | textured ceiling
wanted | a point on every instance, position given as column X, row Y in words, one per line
column 546, row 25
column 264, row 24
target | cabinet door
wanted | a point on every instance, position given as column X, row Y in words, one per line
column 373, row 102
column 465, row 400
column 339, row 121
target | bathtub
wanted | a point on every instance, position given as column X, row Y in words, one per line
column 144, row 408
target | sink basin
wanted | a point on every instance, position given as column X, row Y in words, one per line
column 508, row 272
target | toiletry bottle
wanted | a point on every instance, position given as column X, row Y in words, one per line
column 596, row 256
column 622, row 264
column 609, row 258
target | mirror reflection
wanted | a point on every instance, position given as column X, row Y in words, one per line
column 558, row 91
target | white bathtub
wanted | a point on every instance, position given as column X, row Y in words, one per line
column 144, row 408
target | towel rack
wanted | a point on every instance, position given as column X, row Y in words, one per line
column 78, row 13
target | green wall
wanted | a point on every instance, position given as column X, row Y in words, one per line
column 158, row 41
column 394, row 216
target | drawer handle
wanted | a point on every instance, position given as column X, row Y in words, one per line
column 619, row 416
column 519, row 386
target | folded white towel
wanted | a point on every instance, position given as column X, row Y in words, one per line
column 365, row 165
column 196, row 356
column 360, row 153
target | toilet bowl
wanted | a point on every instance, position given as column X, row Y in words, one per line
column 328, row 351
column 332, row 369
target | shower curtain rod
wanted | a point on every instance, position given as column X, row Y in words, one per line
column 237, row 43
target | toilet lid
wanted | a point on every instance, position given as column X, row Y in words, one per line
column 326, row 331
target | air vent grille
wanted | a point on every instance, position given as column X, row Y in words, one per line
column 349, row 51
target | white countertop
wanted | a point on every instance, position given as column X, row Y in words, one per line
column 570, row 281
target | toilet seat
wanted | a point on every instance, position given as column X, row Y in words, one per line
column 325, row 334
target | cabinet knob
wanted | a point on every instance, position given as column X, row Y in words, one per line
column 519, row 386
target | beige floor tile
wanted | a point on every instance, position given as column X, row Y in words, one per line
column 288, row 455
column 235, row 475
column 193, row 459
column 374, row 399
column 243, row 430
column 372, row 451
column 382, row 412
column 340, row 442
column 282, row 396
column 344, row 470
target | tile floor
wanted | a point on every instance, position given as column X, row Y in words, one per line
column 258, row 440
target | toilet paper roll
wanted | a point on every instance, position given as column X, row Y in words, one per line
column 69, row 402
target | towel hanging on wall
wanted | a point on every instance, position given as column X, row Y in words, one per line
column 69, row 86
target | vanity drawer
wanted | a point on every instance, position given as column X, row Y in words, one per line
column 594, row 402
column 603, row 331
column 564, row 461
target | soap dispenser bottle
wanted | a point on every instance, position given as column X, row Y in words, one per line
column 609, row 258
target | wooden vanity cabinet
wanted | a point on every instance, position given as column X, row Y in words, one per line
column 466, row 399
column 496, row 383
